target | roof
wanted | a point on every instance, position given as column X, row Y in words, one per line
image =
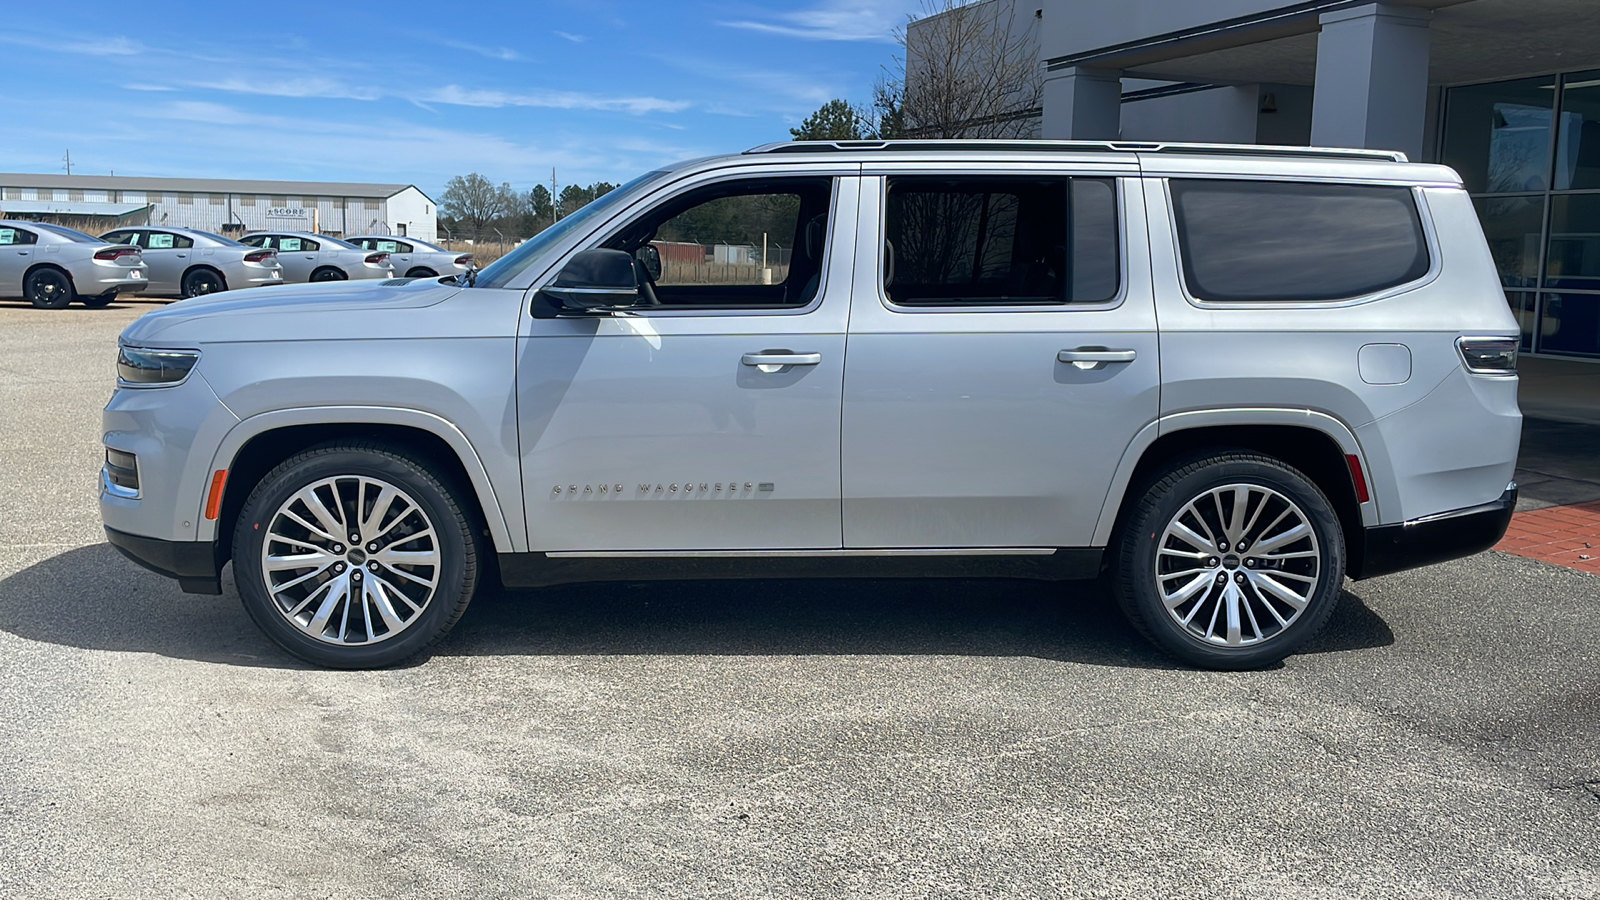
column 1080, row 146
column 203, row 185
column 66, row 208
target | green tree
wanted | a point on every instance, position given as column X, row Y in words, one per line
column 575, row 197
column 539, row 210
column 836, row 120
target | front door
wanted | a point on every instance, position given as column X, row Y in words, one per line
column 708, row 420
column 1002, row 356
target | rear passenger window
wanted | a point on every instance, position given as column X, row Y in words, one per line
column 1251, row 241
column 1001, row 241
column 289, row 244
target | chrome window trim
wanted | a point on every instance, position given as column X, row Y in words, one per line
column 881, row 230
column 1424, row 216
column 611, row 227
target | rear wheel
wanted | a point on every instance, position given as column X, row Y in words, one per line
column 100, row 301
column 48, row 288
column 421, row 272
column 1231, row 561
column 199, row 282
column 328, row 274
column 354, row 556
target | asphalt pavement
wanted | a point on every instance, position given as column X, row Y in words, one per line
column 762, row 739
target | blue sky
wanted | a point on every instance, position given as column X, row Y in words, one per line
column 417, row 92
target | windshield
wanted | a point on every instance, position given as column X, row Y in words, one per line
column 68, row 233
column 505, row 269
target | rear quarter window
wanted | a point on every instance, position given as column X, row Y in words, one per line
column 1280, row 241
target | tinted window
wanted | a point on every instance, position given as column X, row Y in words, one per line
column 257, row 240
column 1293, row 241
column 121, row 237
column 1001, row 241
column 16, row 236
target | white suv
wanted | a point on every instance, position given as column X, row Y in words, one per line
column 1226, row 377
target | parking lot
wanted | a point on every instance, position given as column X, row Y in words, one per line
column 782, row 739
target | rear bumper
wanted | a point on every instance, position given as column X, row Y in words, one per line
column 1434, row 539
column 193, row 564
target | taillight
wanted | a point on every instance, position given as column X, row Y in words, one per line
column 465, row 260
column 377, row 258
column 114, row 253
column 256, row 256
column 1490, row 355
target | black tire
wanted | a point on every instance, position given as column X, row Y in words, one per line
column 421, row 272
column 1149, row 557
column 329, row 274
column 99, row 302
column 199, row 282
column 456, row 575
column 48, row 288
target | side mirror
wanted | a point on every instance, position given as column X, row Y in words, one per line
column 595, row 279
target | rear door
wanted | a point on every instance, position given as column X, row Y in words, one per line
column 17, row 247
column 298, row 256
column 1003, row 354
column 167, row 255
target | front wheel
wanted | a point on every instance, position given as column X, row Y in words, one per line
column 354, row 556
column 48, row 289
column 1231, row 561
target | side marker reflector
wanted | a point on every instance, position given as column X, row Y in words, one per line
column 1357, row 477
column 214, row 501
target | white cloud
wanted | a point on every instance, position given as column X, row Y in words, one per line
column 505, row 54
column 836, row 20
column 459, row 96
column 575, row 38
column 117, row 46
column 323, row 88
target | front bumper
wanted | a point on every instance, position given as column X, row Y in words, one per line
column 1434, row 539
column 196, row 565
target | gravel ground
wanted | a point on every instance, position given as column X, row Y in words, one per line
column 769, row 739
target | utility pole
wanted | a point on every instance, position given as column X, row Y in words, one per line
column 69, row 160
column 555, row 204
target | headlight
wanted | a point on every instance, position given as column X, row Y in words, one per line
column 153, row 368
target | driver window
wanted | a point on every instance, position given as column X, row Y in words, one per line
column 754, row 243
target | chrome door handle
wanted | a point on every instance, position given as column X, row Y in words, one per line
column 773, row 360
column 1093, row 357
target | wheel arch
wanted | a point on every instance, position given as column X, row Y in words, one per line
column 1315, row 443
column 257, row 444
column 343, row 275
column 47, row 264
column 420, row 272
column 206, row 267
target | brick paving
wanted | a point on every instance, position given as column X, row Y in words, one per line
column 1564, row 535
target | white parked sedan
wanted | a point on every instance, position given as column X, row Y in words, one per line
column 51, row 265
column 416, row 259
column 317, row 257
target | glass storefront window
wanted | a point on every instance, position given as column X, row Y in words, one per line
column 1573, row 259
column 1570, row 325
column 1525, row 307
column 1578, row 144
column 1514, row 227
column 1498, row 135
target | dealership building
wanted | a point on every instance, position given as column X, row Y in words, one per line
column 1505, row 91
column 221, row 206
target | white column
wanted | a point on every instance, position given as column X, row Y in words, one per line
column 1082, row 104
column 1372, row 79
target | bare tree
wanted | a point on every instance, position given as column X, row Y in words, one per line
column 476, row 204
column 967, row 70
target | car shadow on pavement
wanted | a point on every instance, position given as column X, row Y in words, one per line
column 94, row 599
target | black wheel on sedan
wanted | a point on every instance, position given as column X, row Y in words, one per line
column 199, row 282
column 329, row 273
column 1230, row 561
column 48, row 288
column 354, row 555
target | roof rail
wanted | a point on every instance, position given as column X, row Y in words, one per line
column 1081, row 146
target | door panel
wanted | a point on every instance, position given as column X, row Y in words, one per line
column 992, row 427
column 686, row 429
column 16, row 255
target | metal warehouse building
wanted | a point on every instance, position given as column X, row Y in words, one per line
column 222, row 206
